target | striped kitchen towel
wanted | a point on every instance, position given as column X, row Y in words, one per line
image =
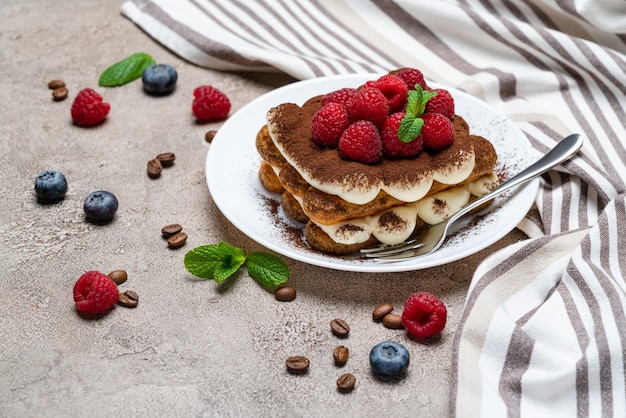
column 543, row 329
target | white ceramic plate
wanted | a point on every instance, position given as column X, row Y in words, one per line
column 232, row 176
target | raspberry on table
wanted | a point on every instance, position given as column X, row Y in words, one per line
column 368, row 104
column 442, row 103
column 392, row 146
column 361, row 142
column 95, row 292
column 210, row 104
column 88, row 108
column 424, row 315
column 328, row 124
column 394, row 89
column 437, row 132
column 341, row 96
column 411, row 77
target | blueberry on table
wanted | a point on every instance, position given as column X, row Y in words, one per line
column 50, row 186
column 100, row 206
column 389, row 359
column 159, row 79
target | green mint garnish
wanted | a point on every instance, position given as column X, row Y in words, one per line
column 411, row 124
column 126, row 70
column 220, row 261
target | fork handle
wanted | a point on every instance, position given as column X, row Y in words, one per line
column 563, row 151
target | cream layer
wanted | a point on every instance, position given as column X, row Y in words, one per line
column 395, row 225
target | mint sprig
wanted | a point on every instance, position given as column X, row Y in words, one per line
column 412, row 123
column 220, row 261
column 126, row 70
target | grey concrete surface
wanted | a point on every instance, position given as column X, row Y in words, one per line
column 191, row 348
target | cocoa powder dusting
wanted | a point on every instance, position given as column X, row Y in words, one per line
column 391, row 222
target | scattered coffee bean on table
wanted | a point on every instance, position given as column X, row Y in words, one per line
column 170, row 230
column 177, row 240
column 285, row 293
column 55, row 84
column 60, row 93
column 208, row 137
column 166, row 158
column 341, row 354
column 346, row 382
column 393, row 321
column 118, row 276
column 381, row 310
column 154, row 168
column 339, row 327
column 297, row 364
column 128, row 299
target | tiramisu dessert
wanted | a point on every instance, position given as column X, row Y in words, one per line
column 370, row 165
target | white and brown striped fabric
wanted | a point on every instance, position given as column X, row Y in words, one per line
column 544, row 326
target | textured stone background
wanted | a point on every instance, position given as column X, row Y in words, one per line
column 191, row 348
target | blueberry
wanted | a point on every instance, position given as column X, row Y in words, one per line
column 100, row 206
column 50, row 186
column 389, row 359
column 159, row 79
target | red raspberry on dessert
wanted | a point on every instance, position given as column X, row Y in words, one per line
column 210, row 104
column 437, row 132
column 88, row 109
column 95, row 292
column 328, row 124
column 424, row 315
column 442, row 103
column 394, row 89
column 368, row 104
column 341, row 96
column 361, row 142
column 411, row 77
column 393, row 147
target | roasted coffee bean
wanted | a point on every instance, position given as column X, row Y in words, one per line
column 170, row 230
column 166, row 158
column 381, row 310
column 118, row 276
column 208, row 137
column 154, row 168
column 346, row 382
column 60, row 93
column 340, row 354
column 297, row 364
column 285, row 294
column 339, row 327
column 177, row 240
column 128, row 299
column 393, row 321
column 55, row 84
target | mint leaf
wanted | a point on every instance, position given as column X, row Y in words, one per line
column 216, row 262
column 126, row 70
column 269, row 269
column 412, row 102
column 410, row 128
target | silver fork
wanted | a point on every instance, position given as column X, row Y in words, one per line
column 429, row 240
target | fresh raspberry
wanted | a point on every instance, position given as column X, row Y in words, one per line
column 328, row 124
column 341, row 96
column 424, row 315
column 411, row 77
column 392, row 146
column 438, row 131
column 361, row 142
column 368, row 104
column 442, row 103
column 88, row 109
column 210, row 104
column 394, row 89
column 95, row 292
